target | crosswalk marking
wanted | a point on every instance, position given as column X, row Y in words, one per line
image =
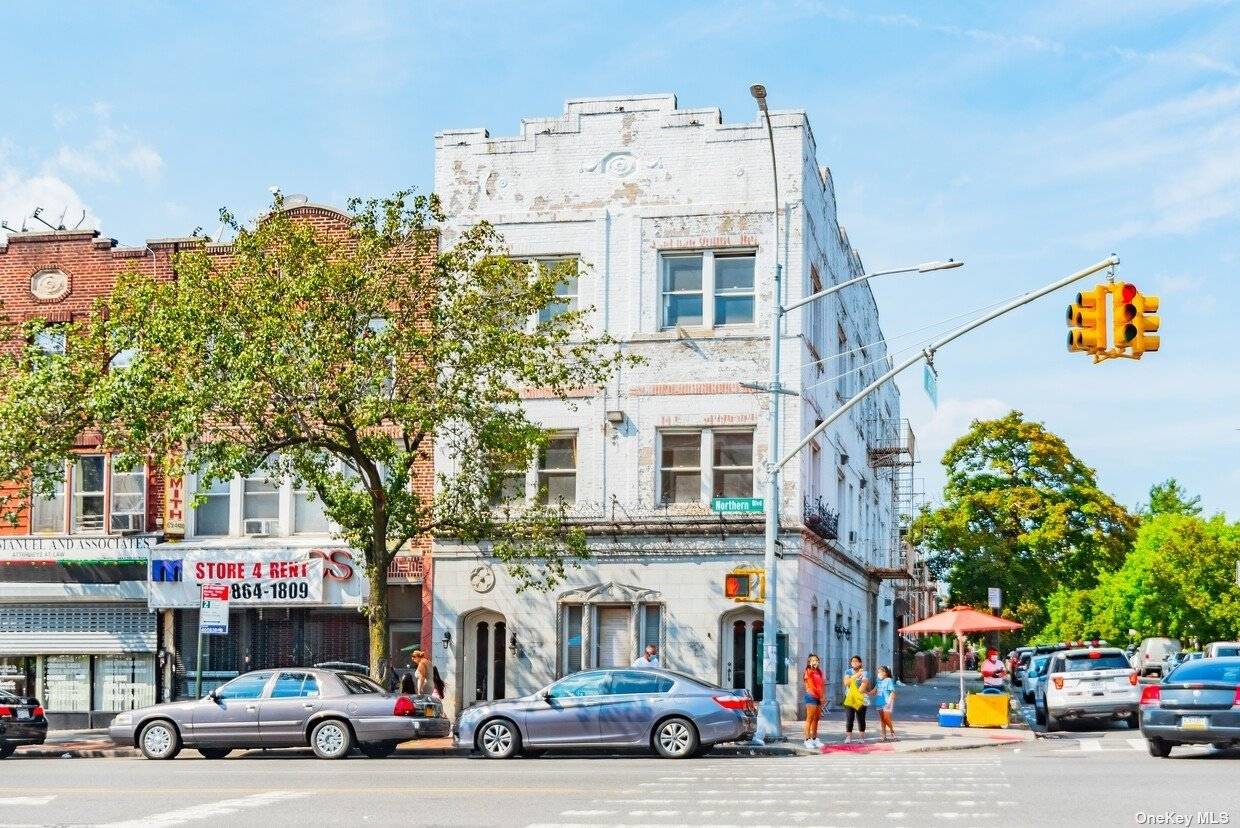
column 26, row 800
column 207, row 810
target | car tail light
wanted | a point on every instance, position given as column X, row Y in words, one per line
column 6, row 711
column 1133, row 679
column 1151, row 696
column 1235, row 702
column 404, row 706
column 1058, row 682
column 733, row 702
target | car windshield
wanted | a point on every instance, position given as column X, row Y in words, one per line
column 1228, row 650
column 357, row 685
column 1038, row 665
column 1094, row 661
column 1208, row 669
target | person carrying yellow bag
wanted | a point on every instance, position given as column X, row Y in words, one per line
column 856, row 698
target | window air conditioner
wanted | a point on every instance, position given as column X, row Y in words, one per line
column 260, row 527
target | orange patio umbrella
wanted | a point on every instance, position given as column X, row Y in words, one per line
column 961, row 621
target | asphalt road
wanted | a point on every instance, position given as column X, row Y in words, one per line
column 1080, row 778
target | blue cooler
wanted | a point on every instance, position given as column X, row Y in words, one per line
column 951, row 718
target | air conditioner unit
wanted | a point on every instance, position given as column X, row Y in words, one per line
column 261, row 527
column 128, row 524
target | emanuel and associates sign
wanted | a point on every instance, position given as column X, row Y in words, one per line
column 83, row 549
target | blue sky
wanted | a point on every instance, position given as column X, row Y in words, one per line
column 1029, row 139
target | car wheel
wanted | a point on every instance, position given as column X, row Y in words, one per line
column 160, row 740
column 1134, row 721
column 6, row 750
column 214, row 753
column 331, row 739
column 1039, row 715
column 379, row 750
column 1159, row 748
column 675, row 739
column 499, row 739
column 1052, row 721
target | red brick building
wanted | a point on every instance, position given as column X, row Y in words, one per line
column 81, row 626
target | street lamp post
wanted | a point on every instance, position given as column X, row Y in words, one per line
column 769, row 726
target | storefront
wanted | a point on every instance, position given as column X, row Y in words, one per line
column 290, row 605
column 75, row 630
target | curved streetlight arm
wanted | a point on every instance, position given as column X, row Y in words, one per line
column 928, row 352
column 921, row 268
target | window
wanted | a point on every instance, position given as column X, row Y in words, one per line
column 47, row 512
column 579, row 684
column 689, row 279
column 295, row 686
column 733, row 469
column 50, row 340
column 633, row 682
column 841, row 351
column 128, row 507
column 211, row 518
column 565, row 290
column 510, row 486
column 260, row 509
column 88, row 493
column 557, row 470
column 652, row 616
column 359, row 685
column 249, row 686
column 680, row 468
column 123, row 359
column 572, row 638
column 308, row 515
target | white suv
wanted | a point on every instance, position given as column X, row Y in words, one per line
column 1088, row 684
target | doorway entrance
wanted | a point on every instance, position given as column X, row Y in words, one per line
column 486, row 651
column 742, row 663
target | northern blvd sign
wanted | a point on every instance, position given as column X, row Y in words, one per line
column 737, row 505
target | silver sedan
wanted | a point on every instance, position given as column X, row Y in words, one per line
column 331, row 711
column 674, row 715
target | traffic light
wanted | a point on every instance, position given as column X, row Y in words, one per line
column 745, row 585
column 1087, row 321
column 1133, row 319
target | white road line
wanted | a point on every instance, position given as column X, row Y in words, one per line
column 1137, row 744
column 1090, row 745
column 207, row 810
column 26, row 800
column 587, row 812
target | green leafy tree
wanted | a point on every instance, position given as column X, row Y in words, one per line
column 343, row 361
column 1022, row 513
column 1170, row 498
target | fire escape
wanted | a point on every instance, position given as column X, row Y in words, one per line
column 893, row 456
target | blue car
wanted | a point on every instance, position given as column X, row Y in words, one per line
column 674, row 715
column 1199, row 703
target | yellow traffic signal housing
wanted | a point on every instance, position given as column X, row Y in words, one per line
column 1134, row 319
column 1088, row 322
column 746, row 585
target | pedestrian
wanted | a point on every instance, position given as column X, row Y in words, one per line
column 993, row 671
column 970, row 658
column 815, row 692
column 421, row 673
column 856, row 698
column 885, row 699
column 437, row 680
column 649, row 660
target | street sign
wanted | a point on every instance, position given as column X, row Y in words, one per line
column 213, row 613
column 994, row 597
column 737, row 505
column 930, row 381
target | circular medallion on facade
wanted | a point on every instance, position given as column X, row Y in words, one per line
column 482, row 579
column 49, row 284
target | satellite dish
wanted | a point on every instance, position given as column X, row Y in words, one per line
column 296, row 200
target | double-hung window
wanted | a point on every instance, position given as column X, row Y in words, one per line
column 211, row 517
column 128, row 499
column 565, row 289
column 710, row 462
column 47, row 512
column 557, row 470
column 88, row 477
column 708, row 289
column 260, row 505
column 101, row 496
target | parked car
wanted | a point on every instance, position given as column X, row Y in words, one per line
column 1151, row 653
column 1029, row 681
column 673, row 714
column 22, row 722
column 1199, row 703
column 1017, row 661
column 1222, row 649
column 1176, row 659
column 1089, row 683
column 331, row 711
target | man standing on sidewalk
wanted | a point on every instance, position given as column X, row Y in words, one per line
column 993, row 671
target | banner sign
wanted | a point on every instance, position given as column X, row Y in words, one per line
column 254, row 577
column 213, row 612
column 83, row 549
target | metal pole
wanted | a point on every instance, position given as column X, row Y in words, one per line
column 198, row 678
column 769, row 725
column 929, row 351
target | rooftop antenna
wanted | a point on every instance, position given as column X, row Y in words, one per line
column 60, row 225
column 82, row 219
column 38, row 218
column 4, row 225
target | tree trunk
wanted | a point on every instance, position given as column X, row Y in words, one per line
column 377, row 613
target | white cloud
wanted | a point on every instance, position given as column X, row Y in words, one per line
column 107, row 156
column 20, row 194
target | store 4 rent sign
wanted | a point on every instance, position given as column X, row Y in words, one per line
column 282, row 576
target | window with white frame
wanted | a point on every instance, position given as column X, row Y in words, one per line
column 705, row 462
column 509, row 486
column 557, row 470
column 308, row 515
column 47, row 511
column 571, row 636
column 565, row 289
column 260, row 505
column 88, row 496
column 128, row 499
column 707, row 289
column 213, row 515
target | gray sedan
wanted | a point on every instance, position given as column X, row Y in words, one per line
column 1199, row 703
column 332, row 711
column 675, row 715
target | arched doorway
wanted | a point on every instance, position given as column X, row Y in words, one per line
column 742, row 663
column 486, row 653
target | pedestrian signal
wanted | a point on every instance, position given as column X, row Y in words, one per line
column 745, row 585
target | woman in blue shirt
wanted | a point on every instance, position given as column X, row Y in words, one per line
column 885, row 693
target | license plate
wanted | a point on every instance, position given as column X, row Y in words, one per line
column 429, row 711
column 1194, row 722
column 22, row 713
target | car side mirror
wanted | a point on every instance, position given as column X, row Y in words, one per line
column 213, row 696
column 547, row 696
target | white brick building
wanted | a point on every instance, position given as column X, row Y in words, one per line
column 669, row 212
